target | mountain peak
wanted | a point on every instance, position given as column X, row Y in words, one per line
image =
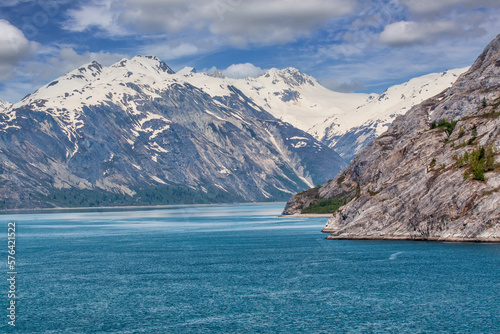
column 154, row 63
column 490, row 54
column 289, row 75
column 218, row 74
column 4, row 105
column 187, row 70
column 150, row 63
column 93, row 69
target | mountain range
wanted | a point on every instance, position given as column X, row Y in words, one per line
column 137, row 133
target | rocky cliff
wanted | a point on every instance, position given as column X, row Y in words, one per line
column 434, row 175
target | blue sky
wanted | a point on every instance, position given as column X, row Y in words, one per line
column 348, row 45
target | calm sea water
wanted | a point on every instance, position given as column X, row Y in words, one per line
column 238, row 269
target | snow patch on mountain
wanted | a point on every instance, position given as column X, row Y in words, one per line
column 287, row 94
column 188, row 70
column 350, row 131
column 382, row 109
column 7, row 116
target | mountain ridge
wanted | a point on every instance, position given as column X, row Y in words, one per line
column 134, row 133
column 149, row 122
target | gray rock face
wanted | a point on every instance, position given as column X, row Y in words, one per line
column 144, row 144
column 410, row 182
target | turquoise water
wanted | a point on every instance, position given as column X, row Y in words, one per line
column 238, row 269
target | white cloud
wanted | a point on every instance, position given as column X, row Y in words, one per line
column 238, row 22
column 240, row 71
column 13, row 45
column 406, row 33
column 268, row 22
column 97, row 15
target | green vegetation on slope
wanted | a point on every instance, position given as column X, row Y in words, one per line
column 161, row 195
column 329, row 205
column 479, row 161
column 447, row 126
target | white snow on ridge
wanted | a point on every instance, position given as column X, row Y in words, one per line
column 380, row 110
column 4, row 105
column 186, row 71
column 287, row 94
column 302, row 103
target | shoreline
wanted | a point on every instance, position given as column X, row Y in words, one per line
column 408, row 238
column 308, row 215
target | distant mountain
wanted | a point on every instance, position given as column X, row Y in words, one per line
column 346, row 122
column 295, row 97
column 137, row 133
column 434, row 175
column 348, row 132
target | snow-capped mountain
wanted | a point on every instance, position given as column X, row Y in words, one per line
column 287, row 94
column 345, row 122
column 137, row 133
column 4, row 105
column 347, row 133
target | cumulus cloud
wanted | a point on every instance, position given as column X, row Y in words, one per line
column 240, row 71
column 14, row 47
column 240, row 22
column 98, row 15
column 267, row 22
column 406, row 33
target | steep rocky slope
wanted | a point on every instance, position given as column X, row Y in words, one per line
column 426, row 178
